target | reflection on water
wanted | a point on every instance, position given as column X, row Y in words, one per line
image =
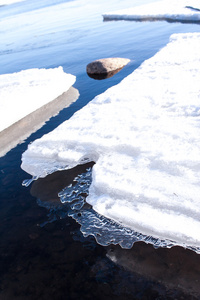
column 48, row 188
column 104, row 75
column 46, row 191
column 50, row 192
column 18, row 132
column 175, row 268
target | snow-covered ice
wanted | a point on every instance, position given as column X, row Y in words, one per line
column 21, row 130
column 170, row 10
column 7, row 2
column 143, row 135
column 24, row 92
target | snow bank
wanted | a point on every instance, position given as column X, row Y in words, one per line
column 169, row 10
column 23, row 92
column 143, row 135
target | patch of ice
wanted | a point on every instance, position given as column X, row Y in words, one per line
column 143, row 135
column 24, row 92
column 7, row 2
column 169, row 10
column 104, row 230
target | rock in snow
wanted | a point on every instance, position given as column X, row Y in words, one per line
column 105, row 66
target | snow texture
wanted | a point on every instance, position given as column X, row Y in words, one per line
column 169, row 10
column 143, row 135
column 7, row 2
column 23, row 92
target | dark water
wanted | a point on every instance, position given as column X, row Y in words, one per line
column 43, row 254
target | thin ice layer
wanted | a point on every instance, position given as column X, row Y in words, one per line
column 23, row 92
column 170, row 10
column 143, row 135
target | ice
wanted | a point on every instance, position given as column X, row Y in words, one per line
column 143, row 135
column 24, row 92
column 169, row 10
column 21, row 130
column 7, row 2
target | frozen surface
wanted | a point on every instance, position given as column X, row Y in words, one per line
column 21, row 130
column 7, row 2
column 143, row 135
column 170, row 10
column 23, row 92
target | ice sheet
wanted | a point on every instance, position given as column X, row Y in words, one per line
column 143, row 135
column 21, row 130
column 23, row 92
column 170, row 10
column 7, row 2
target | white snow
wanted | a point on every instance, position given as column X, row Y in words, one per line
column 7, row 2
column 23, row 92
column 170, row 10
column 143, row 135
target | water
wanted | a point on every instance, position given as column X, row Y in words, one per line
column 43, row 254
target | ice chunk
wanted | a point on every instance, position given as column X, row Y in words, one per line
column 24, row 92
column 169, row 10
column 22, row 129
column 143, row 135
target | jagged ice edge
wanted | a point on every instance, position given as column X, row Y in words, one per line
column 104, row 230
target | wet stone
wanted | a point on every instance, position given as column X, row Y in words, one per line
column 106, row 67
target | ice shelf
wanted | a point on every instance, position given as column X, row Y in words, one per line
column 169, row 10
column 24, row 92
column 143, row 135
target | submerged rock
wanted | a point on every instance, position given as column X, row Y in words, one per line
column 106, row 67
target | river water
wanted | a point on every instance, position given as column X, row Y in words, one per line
column 43, row 254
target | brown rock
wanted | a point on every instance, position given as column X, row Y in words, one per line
column 106, row 66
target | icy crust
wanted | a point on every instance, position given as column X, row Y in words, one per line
column 170, row 10
column 23, row 92
column 104, row 230
column 143, row 135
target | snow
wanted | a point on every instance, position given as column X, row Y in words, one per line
column 24, row 92
column 170, row 10
column 143, row 135
column 7, row 2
